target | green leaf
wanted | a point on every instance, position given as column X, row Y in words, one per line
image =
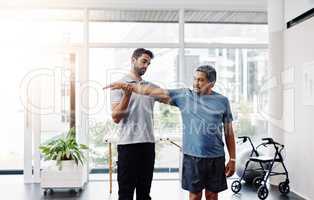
column 64, row 148
column 83, row 146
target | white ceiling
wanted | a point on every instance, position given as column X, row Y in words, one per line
column 191, row 16
column 248, row 5
column 196, row 11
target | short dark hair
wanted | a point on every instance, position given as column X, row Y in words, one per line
column 140, row 51
column 210, row 72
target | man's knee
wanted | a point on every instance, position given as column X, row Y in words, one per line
column 195, row 196
column 211, row 195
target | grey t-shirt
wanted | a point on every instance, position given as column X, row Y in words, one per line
column 137, row 125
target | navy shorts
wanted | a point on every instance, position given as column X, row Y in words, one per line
column 203, row 173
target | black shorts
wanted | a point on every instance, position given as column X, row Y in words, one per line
column 203, row 173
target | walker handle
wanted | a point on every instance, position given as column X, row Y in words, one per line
column 244, row 138
column 271, row 141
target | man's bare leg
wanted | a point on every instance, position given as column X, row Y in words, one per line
column 195, row 196
column 211, row 195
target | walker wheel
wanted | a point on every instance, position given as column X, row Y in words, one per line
column 262, row 192
column 257, row 181
column 284, row 188
column 236, row 186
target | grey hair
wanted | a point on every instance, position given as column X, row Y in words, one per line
column 210, row 72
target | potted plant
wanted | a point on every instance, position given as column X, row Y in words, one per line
column 68, row 168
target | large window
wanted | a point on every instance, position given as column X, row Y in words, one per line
column 181, row 41
column 33, row 40
column 133, row 26
column 241, row 71
column 240, row 74
column 226, row 27
column 239, row 56
column 133, row 32
column 226, row 33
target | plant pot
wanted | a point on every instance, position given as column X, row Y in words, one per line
column 70, row 175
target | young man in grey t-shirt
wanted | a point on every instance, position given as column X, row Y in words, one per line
column 136, row 145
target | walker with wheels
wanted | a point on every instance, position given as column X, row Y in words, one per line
column 266, row 164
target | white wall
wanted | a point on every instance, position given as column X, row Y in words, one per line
column 297, row 51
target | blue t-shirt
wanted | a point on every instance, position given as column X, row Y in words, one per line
column 203, row 117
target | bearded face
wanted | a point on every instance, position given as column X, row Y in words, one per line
column 141, row 64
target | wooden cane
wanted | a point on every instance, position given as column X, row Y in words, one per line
column 110, row 169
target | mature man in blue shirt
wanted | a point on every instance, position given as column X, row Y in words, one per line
column 204, row 114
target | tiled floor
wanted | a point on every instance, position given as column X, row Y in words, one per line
column 13, row 188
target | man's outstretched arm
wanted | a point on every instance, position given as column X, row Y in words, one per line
column 160, row 93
